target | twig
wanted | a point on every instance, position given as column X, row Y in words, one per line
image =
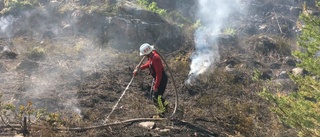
column 6, row 123
column 277, row 21
column 11, row 126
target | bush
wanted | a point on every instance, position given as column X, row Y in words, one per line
column 37, row 53
column 300, row 110
column 15, row 6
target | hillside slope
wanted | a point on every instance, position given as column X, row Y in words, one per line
column 75, row 59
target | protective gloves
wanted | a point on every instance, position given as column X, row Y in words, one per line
column 135, row 72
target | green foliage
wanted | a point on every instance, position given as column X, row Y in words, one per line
column 197, row 24
column 173, row 17
column 105, row 9
column 17, row 5
column 177, row 17
column 229, row 31
column 180, row 64
column 309, row 40
column 8, row 107
column 37, row 53
column 45, row 120
column 190, row 30
column 300, row 109
column 152, row 7
column 143, row 3
column 283, row 47
column 256, row 75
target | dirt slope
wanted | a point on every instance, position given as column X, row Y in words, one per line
column 78, row 64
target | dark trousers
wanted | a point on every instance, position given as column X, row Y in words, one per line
column 161, row 89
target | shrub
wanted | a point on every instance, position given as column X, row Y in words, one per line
column 300, row 110
column 37, row 53
column 14, row 6
column 229, row 31
column 152, row 7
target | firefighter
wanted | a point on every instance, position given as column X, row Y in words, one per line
column 160, row 77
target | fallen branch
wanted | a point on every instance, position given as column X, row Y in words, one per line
column 110, row 124
column 11, row 126
column 176, row 122
column 7, row 125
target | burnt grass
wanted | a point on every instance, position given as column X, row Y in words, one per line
column 76, row 70
column 219, row 103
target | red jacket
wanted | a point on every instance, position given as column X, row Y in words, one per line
column 156, row 68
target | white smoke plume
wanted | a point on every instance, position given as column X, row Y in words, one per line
column 213, row 15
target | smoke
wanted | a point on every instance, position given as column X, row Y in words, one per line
column 5, row 22
column 214, row 15
column 52, row 81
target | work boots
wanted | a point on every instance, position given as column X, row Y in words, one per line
column 162, row 105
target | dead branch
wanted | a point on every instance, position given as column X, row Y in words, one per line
column 277, row 21
column 2, row 119
column 7, row 125
column 11, row 126
column 110, row 124
column 176, row 122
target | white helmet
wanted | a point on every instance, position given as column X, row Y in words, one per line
column 145, row 49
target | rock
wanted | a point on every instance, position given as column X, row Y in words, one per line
column 284, row 85
column 283, row 75
column 138, row 13
column 164, row 130
column 1, row 6
column 275, row 66
column 265, row 45
column 28, row 65
column 148, row 125
column 18, row 135
column 266, row 75
column 297, row 71
column 291, row 62
column 166, row 4
column 8, row 53
column 318, row 54
column 257, row 64
column 2, row 68
column 229, row 68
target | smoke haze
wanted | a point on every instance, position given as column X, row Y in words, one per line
column 52, row 82
column 213, row 15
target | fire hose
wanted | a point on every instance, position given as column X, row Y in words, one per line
column 174, row 84
column 114, row 107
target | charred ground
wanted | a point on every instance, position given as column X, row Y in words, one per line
column 80, row 76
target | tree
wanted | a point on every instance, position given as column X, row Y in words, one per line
column 301, row 109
